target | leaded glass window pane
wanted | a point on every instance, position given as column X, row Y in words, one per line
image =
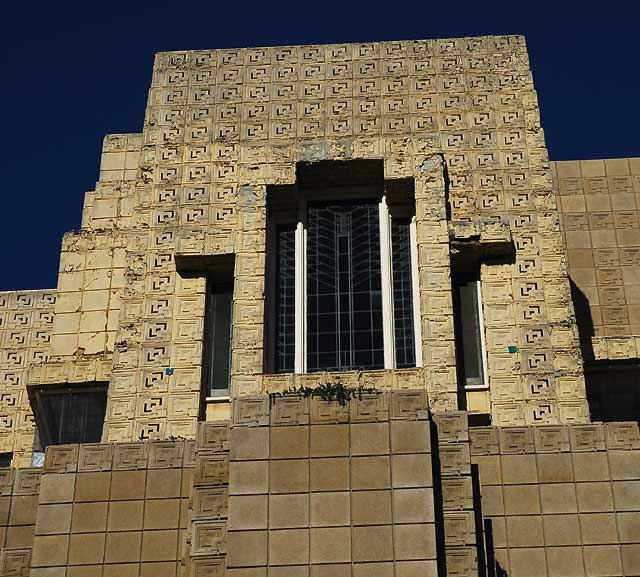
column 402, row 293
column 344, row 298
column 286, row 306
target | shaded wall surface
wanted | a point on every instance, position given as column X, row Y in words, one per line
column 98, row 510
column 599, row 202
column 307, row 487
column 561, row 501
column 26, row 324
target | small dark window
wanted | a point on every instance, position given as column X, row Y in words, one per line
column 5, row 459
column 468, row 326
column 217, row 344
column 69, row 415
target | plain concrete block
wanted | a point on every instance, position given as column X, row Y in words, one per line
column 330, row 545
column 248, row 512
column 602, row 561
column 561, row 530
column 525, row 531
column 521, row 499
column 591, row 466
column 555, row 468
column 289, row 547
column 599, row 528
column 413, row 505
column 249, row 443
column 330, row 509
column 518, row 469
column 53, row 519
column 372, row 543
column 410, row 437
column 370, row 473
column 290, row 442
column 411, row 471
column 288, row 476
column 565, row 562
column 330, row 474
column 369, row 438
column 371, row 507
column 86, row 549
column 329, row 440
column 246, row 548
column 247, row 477
column 528, row 562
column 558, row 498
column 288, row 511
column 90, row 517
column 417, row 541
column 125, row 515
column 594, row 497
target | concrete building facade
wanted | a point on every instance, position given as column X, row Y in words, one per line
column 334, row 313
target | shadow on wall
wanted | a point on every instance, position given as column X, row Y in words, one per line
column 612, row 386
column 493, row 567
column 584, row 320
column 488, row 565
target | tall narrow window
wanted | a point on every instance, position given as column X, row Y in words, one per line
column 344, row 302
column 217, row 345
column 218, row 270
column 286, row 305
column 403, row 315
column 468, row 325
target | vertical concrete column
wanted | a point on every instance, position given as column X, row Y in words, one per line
column 436, row 305
column 249, row 291
column 452, row 437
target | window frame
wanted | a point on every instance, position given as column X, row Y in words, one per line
column 208, row 345
column 403, row 211
column 36, row 393
column 297, row 216
column 214, row 269
column 470, row 267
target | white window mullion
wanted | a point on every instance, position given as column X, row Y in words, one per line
column 300, row 362
column 415, row 289
column 387, row 286
column 483, row 345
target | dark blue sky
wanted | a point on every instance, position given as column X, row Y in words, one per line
column 72, row 72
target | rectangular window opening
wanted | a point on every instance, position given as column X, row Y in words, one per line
column 218, row 270
column 217, row 341
column 467, row 308
column 67, row 415
column 285, row 314
column 342, row 280
column 403, row 293
column 344, row 287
